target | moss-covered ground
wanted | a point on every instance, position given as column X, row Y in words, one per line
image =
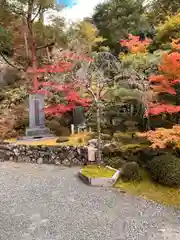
column 151, row 190
column 146, row 188
column 74, row 140
column 98, row 171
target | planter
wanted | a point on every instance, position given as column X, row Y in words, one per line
column 99, row 181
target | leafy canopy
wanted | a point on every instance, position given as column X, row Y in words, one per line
column 116, row 18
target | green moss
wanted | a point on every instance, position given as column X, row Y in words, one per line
column 119, row 136
column 133, row 146
column 73, row 140
column 150, row 190
column 97, row 171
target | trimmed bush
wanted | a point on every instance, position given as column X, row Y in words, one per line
column 111, row 150
column 129, row 138
column 147, row 154
column 56, row 127
column 62, row 139
column 121, row 136
column 130, row 172
column 165, row 169
column 104, row 136
column 115, row 162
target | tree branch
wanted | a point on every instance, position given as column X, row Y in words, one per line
column 101, row 89
column 45, row 46
column 38, row 12
column 93, row 94
column 7, row 61
column 29, row 15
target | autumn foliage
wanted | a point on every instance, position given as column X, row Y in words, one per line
column 69, row 91
column 176, row 44
column 135, row 45
column 71, row 97
column 166, row 82
column 162, row 138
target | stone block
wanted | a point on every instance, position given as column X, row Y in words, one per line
column 102, row 182
column 37, row 132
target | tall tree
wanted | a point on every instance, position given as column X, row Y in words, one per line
column 95, row 80
column 158, row 10
column 23, row 20
column 166, row 85
column 168, row 30
column 116, row 18
column 84, row 35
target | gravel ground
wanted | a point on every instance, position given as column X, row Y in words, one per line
column 39, row 202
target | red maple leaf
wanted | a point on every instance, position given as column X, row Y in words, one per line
column 169, row 73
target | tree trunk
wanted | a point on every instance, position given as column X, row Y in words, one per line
column 177, row 88
column 26, row 45
column 99, row 152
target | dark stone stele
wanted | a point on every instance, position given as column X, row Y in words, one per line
column 37, row 128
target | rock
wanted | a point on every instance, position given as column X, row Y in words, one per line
column 40, row 161
column 66, row 162
column 57, row 162
column 16, row 152
column 8, row 75
column 66, row 155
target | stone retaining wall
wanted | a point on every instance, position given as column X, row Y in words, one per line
column 43, row 154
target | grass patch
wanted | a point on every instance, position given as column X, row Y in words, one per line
column 78, row 140
column 150, row 190
column 98, row 172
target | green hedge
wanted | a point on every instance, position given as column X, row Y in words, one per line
column 165, row 169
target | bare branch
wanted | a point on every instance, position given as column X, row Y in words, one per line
column 46, row 46
column 29, row 15
column 93, row 94
column 38, row 12
column 7, row 61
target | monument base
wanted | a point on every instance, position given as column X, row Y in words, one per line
column 38, row 132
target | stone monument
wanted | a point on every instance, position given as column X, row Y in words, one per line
column 79, row 120
column 37, row 128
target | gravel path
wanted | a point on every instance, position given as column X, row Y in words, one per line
column 39, row 202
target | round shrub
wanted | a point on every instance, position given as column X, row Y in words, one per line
column 111, row 150
column 115, row 162
column 120, row 136
column 62, row 139
column 56, row 127
column 104, row 136
column 165, row 169
column 130, row 172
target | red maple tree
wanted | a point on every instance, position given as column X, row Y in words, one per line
column 48, row 88
column 71, row 97
column 167, row 82
column 135, row 45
